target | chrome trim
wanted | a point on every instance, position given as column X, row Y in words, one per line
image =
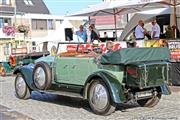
column 99, row 97
column 39, row 76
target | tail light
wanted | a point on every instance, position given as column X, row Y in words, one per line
column 132, row 72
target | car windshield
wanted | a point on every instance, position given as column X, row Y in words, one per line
column 78, row 50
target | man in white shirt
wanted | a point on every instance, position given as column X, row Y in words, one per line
column 140, row 31
column 155, row 33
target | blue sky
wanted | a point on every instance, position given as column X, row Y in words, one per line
column 64, row 7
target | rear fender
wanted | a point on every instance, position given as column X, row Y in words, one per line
column 115, row 88
column 26, row 71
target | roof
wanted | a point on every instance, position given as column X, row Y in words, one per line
column 38, row 7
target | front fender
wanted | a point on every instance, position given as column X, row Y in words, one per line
column 26, row 71
column 115, row 88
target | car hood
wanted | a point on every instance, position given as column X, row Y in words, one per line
column 48, row 59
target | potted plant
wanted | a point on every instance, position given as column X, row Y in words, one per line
column 23, row 29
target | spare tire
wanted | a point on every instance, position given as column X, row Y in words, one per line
column 42, row 75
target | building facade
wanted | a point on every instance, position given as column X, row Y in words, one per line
column 30, row 20
column 10, row 10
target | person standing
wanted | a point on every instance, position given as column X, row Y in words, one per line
column 155, row 33
column 95, row 30
column 169, row 32
column 93, row 34
column 82, row 33
column 140, row 31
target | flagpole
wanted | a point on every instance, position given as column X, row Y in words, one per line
column 114, row 12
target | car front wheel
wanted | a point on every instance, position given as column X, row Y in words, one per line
column 42, row 76
column 99, row 98
column 21, row 89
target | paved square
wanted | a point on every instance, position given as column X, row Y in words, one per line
column 53, row 107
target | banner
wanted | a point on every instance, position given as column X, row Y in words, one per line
column 174, row 47
column 82, row 47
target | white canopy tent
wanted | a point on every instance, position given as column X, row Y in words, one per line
column 126, row 6
column 145, row 16
column 119, row 7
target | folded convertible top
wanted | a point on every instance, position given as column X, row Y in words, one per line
column 132, row 55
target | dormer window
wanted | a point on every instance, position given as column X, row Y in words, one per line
column 28, row 2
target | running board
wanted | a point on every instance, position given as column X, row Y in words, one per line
column 64, row 93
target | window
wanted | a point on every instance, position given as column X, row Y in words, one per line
column 5, row 2
column 4, row 21
column 1, row 22
column 50, row 24
column 28, row 2
column 61, row 21
column 39, row 24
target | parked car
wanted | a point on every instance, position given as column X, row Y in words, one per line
column 105, row 80
column 18, row 60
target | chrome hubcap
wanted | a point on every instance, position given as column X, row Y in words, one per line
column 20, row 86
column 99, row 96
column 39, row 77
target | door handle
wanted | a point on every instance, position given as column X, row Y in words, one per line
column 65, row 66
column 74, row 66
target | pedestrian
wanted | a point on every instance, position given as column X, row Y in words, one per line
column 109, row 46
column 93, row 34
column 169, row 32
column 105, row 35
column 140, row 31
column 82, row 33
column 95, row 30
column 155, row 33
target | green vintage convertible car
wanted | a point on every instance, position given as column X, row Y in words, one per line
column 105, row 80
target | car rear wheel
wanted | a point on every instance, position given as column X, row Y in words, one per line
column 99, row 98
column 21, row 89
column 150, row 102
column 42, row 75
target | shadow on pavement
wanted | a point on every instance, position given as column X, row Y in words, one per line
column 73, row 102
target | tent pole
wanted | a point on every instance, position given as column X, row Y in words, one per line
column 115, row 24
column 175, row 17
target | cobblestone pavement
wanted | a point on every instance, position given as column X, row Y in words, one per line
column 53, row 107
column 8, row 114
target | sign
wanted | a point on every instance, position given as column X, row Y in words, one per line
column 174, row 47
column 19, row 36
column 83, row 47
column 16, row 51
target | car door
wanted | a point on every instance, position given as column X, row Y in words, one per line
column 84, row 67
column 72, row 70
column 81, row 71
column 62, row 69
